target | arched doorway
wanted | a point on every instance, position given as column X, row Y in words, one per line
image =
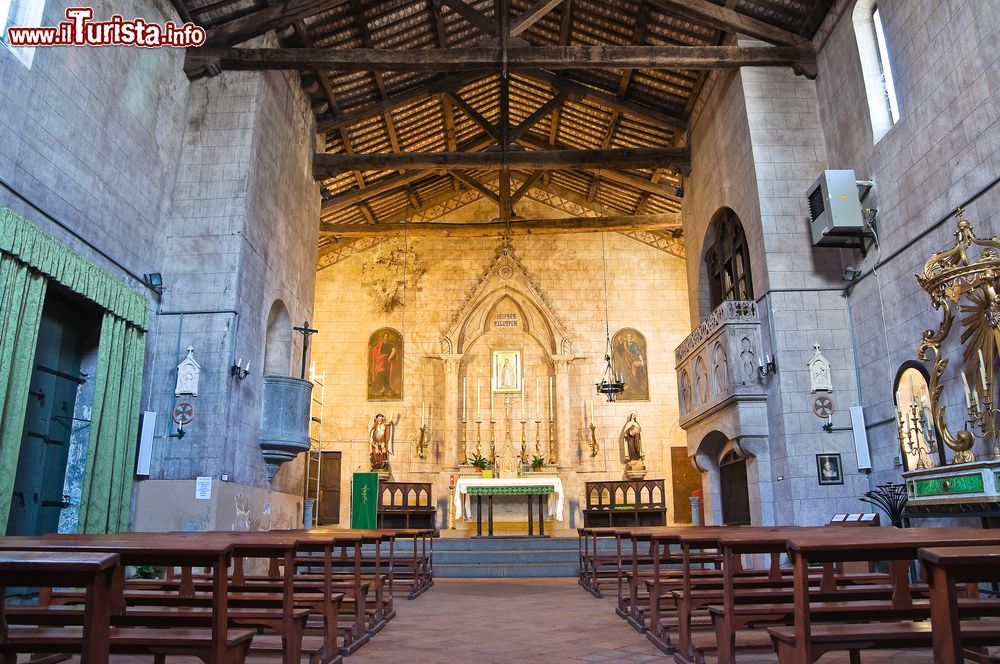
column 733, row 488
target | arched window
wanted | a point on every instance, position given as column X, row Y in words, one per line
column 876, row 67
column 728, row 260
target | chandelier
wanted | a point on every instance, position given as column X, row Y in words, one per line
column 611, row 385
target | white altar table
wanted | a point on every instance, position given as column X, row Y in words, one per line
column 527, row 486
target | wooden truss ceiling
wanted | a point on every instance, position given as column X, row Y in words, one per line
column 425, row 106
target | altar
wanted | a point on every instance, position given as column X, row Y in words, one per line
column 549, row 492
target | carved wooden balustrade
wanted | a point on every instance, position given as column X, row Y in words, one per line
column 717, row 363
column 405, row 505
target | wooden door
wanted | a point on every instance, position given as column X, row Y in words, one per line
column 685, row 479
column 328, row 509
column 735, row 493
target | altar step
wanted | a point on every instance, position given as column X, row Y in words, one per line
column 504, row 558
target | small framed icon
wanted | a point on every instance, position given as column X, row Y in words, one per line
column 829, row 469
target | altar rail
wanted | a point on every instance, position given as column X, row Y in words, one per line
column 717, row 363
column 619, row 504
column 405, row 505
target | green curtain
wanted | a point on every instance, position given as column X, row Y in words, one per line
column 114, row 427
column 22, row 294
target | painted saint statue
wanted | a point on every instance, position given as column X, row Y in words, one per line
column 380, row 438
column 385, row 365
column 629, row 360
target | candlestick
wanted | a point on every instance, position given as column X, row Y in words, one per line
column 537, row 392
column 465, row 400
column 982, row 371
column 479, row 398
column 491, row 404
column 522, row 406
column 965, row 387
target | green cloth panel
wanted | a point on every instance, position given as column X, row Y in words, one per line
column 36, row 249
column 364, row 500
column 114, row 427
column 509, row 490
column 22, row 294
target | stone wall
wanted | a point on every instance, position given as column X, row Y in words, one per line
column 208, row 183
column 944, row 151
column 647, row 291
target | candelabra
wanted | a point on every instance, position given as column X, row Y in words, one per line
column 479, row 438
column 913, row 434
column 465, row 448
column 422, row 444
column 553, row 456
column 493, row 441
column 538, row 436
column 982, row 416
column 594, row 447
column 524, row 442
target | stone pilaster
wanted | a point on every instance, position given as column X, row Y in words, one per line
column 452, row 405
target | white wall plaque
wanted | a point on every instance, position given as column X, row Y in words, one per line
column 188, row 372
column 203, row 488
column 819, row 372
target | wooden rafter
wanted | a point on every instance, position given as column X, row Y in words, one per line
column 517, row 227
column 531, row 16
column 200, row 61
column 264, row 20
column 478, row 186
column 474, row 115
column 473, row 16
column 327, row 164
column 729, row 20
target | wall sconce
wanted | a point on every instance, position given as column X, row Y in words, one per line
column 851, row 273
column 154, row 280
column 766, row 366
column 238, row 372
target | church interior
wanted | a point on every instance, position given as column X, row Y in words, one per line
column 625, row 292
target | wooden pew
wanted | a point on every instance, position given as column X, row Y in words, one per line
column 93, row 571
column 803, row 643
column 216, row 645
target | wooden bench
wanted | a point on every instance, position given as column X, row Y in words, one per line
column 870, row 636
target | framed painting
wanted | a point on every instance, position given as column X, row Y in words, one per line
column 829, row 469
column 506, row 371
column 385, row 365
column 629, row 360
column 919, row 443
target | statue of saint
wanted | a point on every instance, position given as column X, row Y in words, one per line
column 632, row 434
column 380, row 437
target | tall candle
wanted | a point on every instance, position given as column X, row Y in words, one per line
column 479, row 399
column 551, row 414
column 465, row 394
column 491, row 405
column 537, row 392
column 982, row 371
column 965, row 387
column 522, row 405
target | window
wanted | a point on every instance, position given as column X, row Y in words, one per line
column 728, row 260
column 876, row 68
column 888, row 86
column 20, row 13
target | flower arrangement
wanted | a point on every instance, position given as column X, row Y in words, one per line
column 537, row 462
column 479, row 461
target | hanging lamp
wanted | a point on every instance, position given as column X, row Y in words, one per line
column 611, row 385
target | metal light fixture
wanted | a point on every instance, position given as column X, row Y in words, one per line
column 155, row 281
column 611, row 385
column 766, row 366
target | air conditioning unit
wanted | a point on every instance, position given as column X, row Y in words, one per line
column 835, row 209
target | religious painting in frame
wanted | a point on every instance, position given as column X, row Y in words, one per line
column 919, row 443
column 829, row 469
column 630, row 361
column 506, row 371
column 385, row 365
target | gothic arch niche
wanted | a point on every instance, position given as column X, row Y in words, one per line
column 278, row 341
column 725, row 267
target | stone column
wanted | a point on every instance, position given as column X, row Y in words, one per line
column 452, row 408
column 563, row 412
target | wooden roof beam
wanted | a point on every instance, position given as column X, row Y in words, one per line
column 354, row 196
column 646, row 222
column 729, row 20
column 537, row 116
column 474, row 115
column 474, row 17
column 328, row 164
column 531, row 16
column 478, row 186
column 200, row 61
column 264, row 20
